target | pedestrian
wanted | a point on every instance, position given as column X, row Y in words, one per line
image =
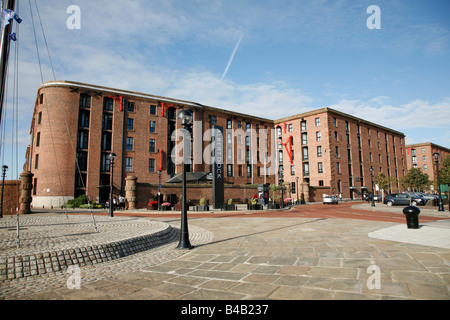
column 121, row 203
column 340, row 196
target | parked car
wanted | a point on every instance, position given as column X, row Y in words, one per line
column 426, row 196
column 416, row 194
column 403, row 199
column 330, row 199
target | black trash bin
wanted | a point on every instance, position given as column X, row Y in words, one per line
column 412, row 217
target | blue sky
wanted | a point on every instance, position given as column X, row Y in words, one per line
column 292, row 57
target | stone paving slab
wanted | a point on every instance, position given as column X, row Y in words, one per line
column 259, row 258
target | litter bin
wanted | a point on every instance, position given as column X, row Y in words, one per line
column 412, row 217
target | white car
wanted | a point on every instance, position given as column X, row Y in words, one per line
column 330, row 199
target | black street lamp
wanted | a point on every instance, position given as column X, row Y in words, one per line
column 4, row 168
column 185, row 119
column 371, row 179
column 111, row 157
column 436, row 157
column 282, row 188
column 297, row 190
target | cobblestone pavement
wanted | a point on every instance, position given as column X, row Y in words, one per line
column 257, row 258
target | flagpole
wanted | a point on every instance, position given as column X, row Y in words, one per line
column 4, row 55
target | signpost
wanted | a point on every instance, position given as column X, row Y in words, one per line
column 218, row 168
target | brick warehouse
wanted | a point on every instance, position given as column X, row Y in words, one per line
column 87, row 122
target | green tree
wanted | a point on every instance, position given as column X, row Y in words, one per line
column 415, row 180
column 444, row 176
column 384, row 182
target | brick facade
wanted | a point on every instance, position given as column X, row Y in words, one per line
column 420, row 156
column 10, row 196
column 80, row 121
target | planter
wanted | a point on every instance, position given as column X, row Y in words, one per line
column 229, row 207
column 273, row 206
column 253, row 207
column 202, row 208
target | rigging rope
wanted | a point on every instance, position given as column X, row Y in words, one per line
column 65, row 119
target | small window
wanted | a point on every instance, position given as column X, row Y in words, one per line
column 130, row 106
column 152, row 145
column 129, row 145
column 151, row 165
column 128, row 164
column 153, row 109
column 152, row 126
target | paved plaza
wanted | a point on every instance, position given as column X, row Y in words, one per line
column 309, row 252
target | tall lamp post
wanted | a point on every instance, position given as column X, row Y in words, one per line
column 184, row 117
column 111, row 157
column 282, row 188
column 436, row 157
column 371, row 179
column 4, row 168
column 296, row 189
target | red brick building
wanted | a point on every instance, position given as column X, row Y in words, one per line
column 420, row 155
column 334, row 151
column 76, row 126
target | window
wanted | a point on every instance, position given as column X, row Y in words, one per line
column 229, row 124
column 290, row 127
column 128, row 164
column 129, row 144
column 130, row 106
column 248, row 127
column 247, row 141
column 318, row 136
column 320, row 183
column 334, row 122
column 303, row 125
column 151, row 165
column 423, row 150
column 38, row 139
column 346, row 125
column 305, row 153
column 229, row 170
column 153, row 109
column 151, row 145
column 293, row 187
column 338, row 167
column 249, row 171
column 85, row 100
column 320, row 167
column 280, row 156
column 213, row 120
column 83, row 139
column 152, row 126
column 306, row 169
column 240, row 170
column 82, row 160
column 108, row 104
column 424, row 158
column 239, row 125
column 335, row 136
column 40, row 117
column 425, row 167
column 279, row 131
column 317, row 122
column 41, row 98
column 336, row 151
column 304, row 138
column 229, row 154
column 319, row 151
column 105, row 165
column 292, row 170
column 106, row 141
column 130, row 124
column 107, row 122
column 83, row 120
column 36, row 161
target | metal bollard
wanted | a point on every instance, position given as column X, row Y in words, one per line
column 412, row 217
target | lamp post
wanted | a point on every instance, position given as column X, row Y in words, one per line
column 371, row 179
column 282, row 189
column 184, row 117
column 111, row 157
column 436, row 157
column 296, row 189
column 4, row 168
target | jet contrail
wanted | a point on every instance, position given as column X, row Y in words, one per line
column 232, row 56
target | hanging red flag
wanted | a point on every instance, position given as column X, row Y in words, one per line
column 119, row 100
column 289, row 151
column 164, row 108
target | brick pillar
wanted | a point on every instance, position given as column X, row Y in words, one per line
column 26, row 186
column 305, row 190
column 130, row 192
